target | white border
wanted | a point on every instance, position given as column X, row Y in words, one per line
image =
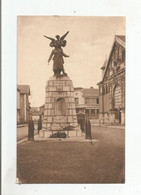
column 128, row 8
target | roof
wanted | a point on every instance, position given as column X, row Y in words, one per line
column 99, row 83
column 34, row 109
column 104, row 65
column 122, row 37
column 42, row 106
column 89, row 92
column 24, row 89
column 78, row 88
column 121, row 40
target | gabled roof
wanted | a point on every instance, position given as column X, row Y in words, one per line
column 121, row 37
column 89, row 92
column 24, row 89
column 104, row 65
column 121, row 40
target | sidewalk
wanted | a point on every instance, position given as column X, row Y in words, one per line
column 26, row 138
column 112, row 126
column 22, row 125
column 108, row 126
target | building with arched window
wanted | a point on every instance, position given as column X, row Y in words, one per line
column 112, row 86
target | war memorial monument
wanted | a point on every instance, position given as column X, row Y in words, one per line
column 59, row 111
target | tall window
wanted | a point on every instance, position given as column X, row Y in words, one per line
column 87, row 111
column 100, row 90
column 117, row 97
column 123, row 55
column 120, row 53
column 93, row 111
column 97, row 100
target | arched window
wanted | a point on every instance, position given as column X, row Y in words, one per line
column 117, row 97
column 60, row 107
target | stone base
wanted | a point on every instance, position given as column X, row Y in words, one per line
column 70, row 133
column 44, row 133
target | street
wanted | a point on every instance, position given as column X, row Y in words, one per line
column 74, row 162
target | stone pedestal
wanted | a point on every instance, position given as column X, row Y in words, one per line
column 60, row 111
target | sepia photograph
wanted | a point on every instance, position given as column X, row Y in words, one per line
column 71, row 99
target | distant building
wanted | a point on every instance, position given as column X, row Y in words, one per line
column 91, row 97
column 41, row 111
column 34, row 109
column 112, row 86
column 87, row 101
column 79, row 100
column 35, row 113
column 23, row 105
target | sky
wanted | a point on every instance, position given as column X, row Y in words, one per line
column 89, row 42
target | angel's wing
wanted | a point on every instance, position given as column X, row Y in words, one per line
column 62, row 38
column 49, row 38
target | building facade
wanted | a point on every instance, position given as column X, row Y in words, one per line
column 87, row 102
column 23, row 105
column 79, row 100
column 41, row 112
column 112, row 86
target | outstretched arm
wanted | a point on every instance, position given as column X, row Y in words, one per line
column 49, row 38
column 65, row 55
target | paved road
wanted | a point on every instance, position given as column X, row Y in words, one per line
column 74, row 162
column 22, row 131
column 109, row 134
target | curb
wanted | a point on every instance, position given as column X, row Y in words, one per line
column 116, row 127
column 109, row 126
column 66, row 140
column 25, row 139
column 59, row 140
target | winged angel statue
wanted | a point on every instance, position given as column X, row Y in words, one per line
column 57, row 54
